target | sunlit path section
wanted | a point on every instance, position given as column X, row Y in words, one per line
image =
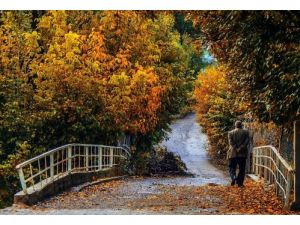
column 189, row 142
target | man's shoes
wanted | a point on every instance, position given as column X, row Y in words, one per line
column 233, row 182
column 241, row 185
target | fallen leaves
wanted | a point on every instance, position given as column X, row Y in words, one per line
column 252, row 199
column 137, row 194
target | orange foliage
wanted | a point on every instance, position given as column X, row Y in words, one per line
column 216, row 108
column 115, row 66
column 210, row 84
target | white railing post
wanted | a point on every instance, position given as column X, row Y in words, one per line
column 86, row 153
column 111, row 156
column 22, row 180
column 258, row 162
column 100, row 158
column 52, row 166
column 69, row 158
column 253, row 162
column 296, row 204
column 265, row 170
column 288, row 190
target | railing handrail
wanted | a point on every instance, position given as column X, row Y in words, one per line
column 68, row 159
column 64, row 146
column 283, row 161
column 269, row 164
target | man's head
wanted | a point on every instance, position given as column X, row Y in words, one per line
column 238, row 124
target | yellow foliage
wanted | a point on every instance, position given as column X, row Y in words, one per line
column 209, row 85
column 118, row 65
column 215, row 107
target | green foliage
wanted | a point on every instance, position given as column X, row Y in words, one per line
column 261, row 50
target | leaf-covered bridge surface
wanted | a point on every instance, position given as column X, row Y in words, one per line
column 208, row 192
column 135, row 196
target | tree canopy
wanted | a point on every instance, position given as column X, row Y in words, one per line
column 261, row 51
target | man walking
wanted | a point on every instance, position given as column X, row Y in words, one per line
column 237, row 153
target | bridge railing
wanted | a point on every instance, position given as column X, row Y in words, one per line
column 41, row 170
column 268, row 163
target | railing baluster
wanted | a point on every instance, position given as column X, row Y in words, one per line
column 52, row 166
column 288, row 190
column 69, row 159
column 265, row 170
column 22, row 180
column 40, row 176
column 254, row 162
column 32, row 178
column 66, row 160
column 73, row 156
column 100, row 158
column 94, row 158
column 56, row 162
column 259, row 162
column 111, row 156
column 46, row 168
column 86, row 158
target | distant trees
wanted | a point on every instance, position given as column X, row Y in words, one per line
column 216, row 107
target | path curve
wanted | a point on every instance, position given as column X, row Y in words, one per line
column 189, row 142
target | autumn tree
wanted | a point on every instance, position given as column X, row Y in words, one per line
column 17, row 47
column 216, row 108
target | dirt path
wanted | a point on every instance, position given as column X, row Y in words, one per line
column 138, row 195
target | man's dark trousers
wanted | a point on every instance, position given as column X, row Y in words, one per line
column 241, row 162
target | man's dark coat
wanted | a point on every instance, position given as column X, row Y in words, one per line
column 238, row 143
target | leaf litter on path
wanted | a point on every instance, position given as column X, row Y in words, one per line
column 171, row 199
